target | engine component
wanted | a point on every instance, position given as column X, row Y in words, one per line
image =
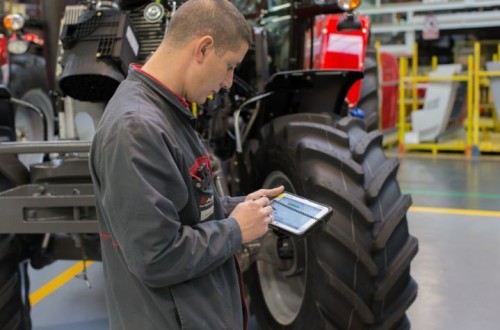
column 98, row 46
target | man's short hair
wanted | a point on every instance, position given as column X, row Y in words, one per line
column 219, row 19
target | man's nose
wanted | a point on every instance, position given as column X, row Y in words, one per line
column 228, row 81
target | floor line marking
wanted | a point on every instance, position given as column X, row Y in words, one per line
column 57, row 282
column 482, row 213
column 450, row 194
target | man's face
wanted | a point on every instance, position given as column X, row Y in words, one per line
column 217, row 72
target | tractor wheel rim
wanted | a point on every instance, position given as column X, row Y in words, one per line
column 283, row 291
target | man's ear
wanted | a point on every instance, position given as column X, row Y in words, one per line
column 204, row 44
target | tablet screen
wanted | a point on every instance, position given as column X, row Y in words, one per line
column 293, row 213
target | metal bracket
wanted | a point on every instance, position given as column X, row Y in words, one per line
column 48, row 208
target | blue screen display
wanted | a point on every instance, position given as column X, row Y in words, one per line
column 285, row 212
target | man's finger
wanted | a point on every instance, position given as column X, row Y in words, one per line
column 263, row 201
column 274, row 191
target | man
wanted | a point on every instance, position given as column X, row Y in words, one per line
column 168, row 239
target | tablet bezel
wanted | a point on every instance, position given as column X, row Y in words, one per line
column 324, row 210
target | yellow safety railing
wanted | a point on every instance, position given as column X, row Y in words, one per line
column 470, row 105
column 475, row 78
column 482, row 145
column 403, row 72
column 413, row 80
column 414, row 73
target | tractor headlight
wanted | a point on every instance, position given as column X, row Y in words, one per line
column 349, row 5
column 18, row 46
column 13, row 22
column 154, row 12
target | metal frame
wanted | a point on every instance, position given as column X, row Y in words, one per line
column 47, row 208
column 416, row 13
column 481, row 143
column 44, row 147
column 474, row 142
column 465, row 145
column 43, row 208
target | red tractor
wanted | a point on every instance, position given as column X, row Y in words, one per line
column 289, row 120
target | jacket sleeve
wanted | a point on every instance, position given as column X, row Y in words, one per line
column 142, row 192
column 229, row 203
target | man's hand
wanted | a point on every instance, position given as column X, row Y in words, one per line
column 254, row 214
column 270, row 193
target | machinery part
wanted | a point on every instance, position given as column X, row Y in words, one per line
column 369, row 95
column 98, row 47
column 349, row 5
column 128, row 4
column 48, row 208
column 28, row 83
column 51, row 16
column 14, row 281
column 27, row 109
column 12, row 172
column 349, row 23
column 154, row 12
column 7, row 126
column 353, row 273
column 431, row 122
column 14, row 307
column 45, row 146
column 89, row 62
column 30, row 126
column 27, row 72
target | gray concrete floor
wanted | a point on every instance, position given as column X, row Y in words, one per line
column 458, row 264
column 74, row 306
column 457, row 267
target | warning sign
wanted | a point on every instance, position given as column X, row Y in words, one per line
column 431, row 28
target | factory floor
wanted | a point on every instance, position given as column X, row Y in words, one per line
column 455, row 216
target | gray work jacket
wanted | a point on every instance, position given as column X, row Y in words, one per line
column 167, row 246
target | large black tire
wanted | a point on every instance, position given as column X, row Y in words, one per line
column 354, row 272
column 14, row 306
column 14, row 282
column 27, row 72
column 369, row 97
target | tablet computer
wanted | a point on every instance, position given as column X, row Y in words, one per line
column 296, row 216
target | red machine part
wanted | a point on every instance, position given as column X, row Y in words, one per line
column 389, row 71
column 346, row 50
column 29, row 37
column 4, row 54
column 340, row 50
column 4, row 60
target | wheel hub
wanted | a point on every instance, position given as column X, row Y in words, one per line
column 282, row 266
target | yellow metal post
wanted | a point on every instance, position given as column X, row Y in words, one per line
column 485, row 142
column 475, row 122
column 434, row 62
column 470, row 103
column 414, row 73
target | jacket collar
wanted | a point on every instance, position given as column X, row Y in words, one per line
column 135, row 72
